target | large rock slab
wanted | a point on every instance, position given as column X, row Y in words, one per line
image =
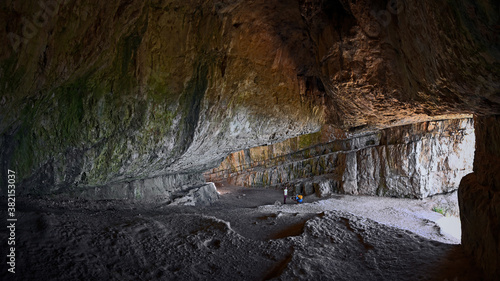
column 198, row 196
column 416, row 160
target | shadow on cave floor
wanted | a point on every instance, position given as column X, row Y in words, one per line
column 254, row 197
column 244, row 236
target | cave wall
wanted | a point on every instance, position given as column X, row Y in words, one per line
column 479, row 199
column 390, row 62
column 110, row 95
column 417, row 161
column 412, row 161
column 134, row 99
column 97, row 95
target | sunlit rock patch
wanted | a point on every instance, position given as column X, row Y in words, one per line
column 415, row 160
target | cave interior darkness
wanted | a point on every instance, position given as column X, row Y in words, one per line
column 153, row 140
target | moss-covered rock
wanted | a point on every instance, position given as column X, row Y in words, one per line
column 116, row 93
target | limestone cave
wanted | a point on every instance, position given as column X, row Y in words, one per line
column 169, row 140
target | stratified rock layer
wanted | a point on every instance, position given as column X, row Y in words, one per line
column 479, row 199
column 134, row 99
column 408, row 161
column 96, row 94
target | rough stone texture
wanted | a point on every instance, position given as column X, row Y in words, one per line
column 203, row 195
column 423, row 163
column 479, row 199
column 323, row 188
column 159, row 189
column 384, row 62
column 134, row 90
column 95, row 94
column 101, row 92
column 416, row 160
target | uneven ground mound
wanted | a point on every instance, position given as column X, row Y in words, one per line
column 246, row 235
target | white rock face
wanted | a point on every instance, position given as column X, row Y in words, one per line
column 414, row 161
column 431, row 164
column 324, row 188
column 203, row 195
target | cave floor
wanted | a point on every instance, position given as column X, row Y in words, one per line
column 246, row 235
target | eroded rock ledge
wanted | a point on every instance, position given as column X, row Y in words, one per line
column 415, row 160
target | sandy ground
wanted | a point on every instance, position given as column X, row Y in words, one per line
column 246, row 235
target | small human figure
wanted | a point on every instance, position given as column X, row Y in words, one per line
column 285, row 193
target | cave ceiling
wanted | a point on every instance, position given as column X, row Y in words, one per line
column 101, row 91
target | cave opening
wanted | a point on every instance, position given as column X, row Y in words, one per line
column 111, row 113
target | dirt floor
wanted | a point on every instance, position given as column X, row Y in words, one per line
column 248, row 234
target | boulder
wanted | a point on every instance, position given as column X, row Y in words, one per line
column 323, row 188
column 198, row 196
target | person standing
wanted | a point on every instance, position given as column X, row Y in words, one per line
column 285, row 193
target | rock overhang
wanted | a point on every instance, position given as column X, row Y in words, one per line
column 169, row 87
